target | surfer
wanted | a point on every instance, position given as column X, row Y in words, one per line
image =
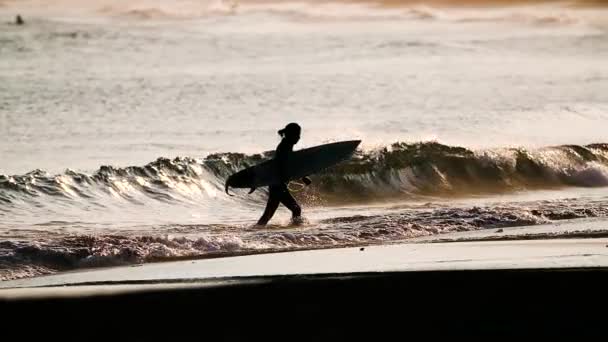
column 279, row 193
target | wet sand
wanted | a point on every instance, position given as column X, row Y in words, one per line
column 406, row 257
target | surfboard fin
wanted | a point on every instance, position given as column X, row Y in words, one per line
column 252, row 190
column 228, row 187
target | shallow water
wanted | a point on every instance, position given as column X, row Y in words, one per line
column 119, row 123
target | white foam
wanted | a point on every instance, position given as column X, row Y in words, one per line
column 593, row 175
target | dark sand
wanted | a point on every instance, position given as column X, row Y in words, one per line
column 566, row 302
column 455, row 289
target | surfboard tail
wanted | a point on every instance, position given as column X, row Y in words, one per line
column 227, row 186
column 229, row 183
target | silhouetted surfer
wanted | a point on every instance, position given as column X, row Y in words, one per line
column 19, row 20
column 279, row 193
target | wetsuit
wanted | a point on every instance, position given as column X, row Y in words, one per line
column 278, row 193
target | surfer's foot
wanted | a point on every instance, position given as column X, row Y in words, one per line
column 297, row 220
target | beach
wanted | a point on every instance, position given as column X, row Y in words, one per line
column 512, row 288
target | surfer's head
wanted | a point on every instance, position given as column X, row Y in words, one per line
column 291, row 132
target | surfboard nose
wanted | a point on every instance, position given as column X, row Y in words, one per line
column 351, row 143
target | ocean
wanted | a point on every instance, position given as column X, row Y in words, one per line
column 120, row 122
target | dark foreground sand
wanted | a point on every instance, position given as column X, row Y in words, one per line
column 567, row 302
column 398, row 304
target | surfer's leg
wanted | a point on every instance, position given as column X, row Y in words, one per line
column 271, row 206
column 291, row 203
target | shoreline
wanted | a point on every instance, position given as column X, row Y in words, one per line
column 404, row 257
column 583, row 229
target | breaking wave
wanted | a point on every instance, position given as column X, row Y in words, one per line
column 399, row 171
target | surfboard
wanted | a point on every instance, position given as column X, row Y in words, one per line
column 301, row 163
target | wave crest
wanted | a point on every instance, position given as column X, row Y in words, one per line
column 423, row 169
